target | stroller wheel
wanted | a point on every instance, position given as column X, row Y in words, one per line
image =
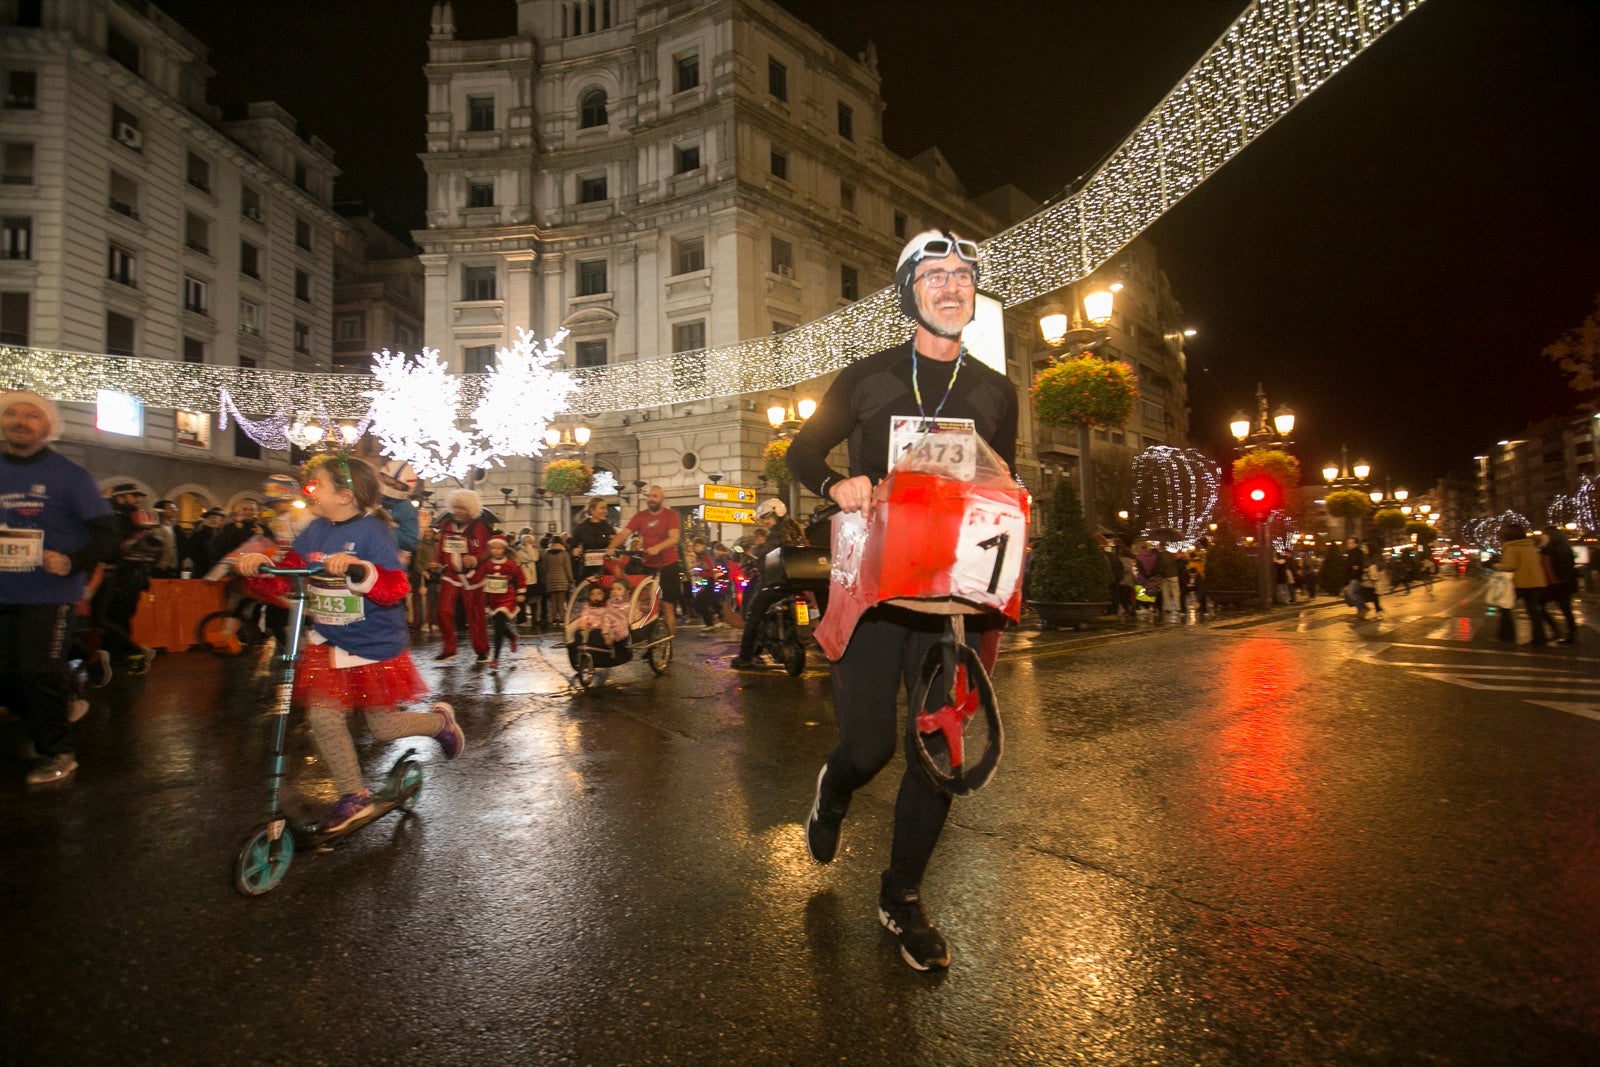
column 263, row 861
column 585, row 667
column 660, row 654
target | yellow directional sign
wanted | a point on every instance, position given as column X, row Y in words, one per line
column 713, row 513
column 728, row 494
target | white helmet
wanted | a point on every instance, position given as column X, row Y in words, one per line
column 929, row 244
column 771, row 506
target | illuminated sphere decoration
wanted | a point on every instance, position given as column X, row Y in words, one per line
column 1269, row 60
column 1175, row 491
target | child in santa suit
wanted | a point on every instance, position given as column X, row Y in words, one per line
column 502, row 592
column 356, row 656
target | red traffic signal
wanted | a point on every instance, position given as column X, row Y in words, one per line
column 1257, row 497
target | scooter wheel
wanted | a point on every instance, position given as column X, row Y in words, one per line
column 660, row 654
column 585, row 667
column 263, row 861
column 410, row 786
column 794, row 658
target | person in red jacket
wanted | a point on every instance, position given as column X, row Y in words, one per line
column 502, row 592
column 463, row 546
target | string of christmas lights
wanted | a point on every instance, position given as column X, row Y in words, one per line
column 1175, row 489
column 1586, row 504
column 1282, row 530
column 1273, row 56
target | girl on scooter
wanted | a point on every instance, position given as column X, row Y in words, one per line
column 357, row 655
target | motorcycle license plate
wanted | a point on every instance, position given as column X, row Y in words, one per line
column 802, row 613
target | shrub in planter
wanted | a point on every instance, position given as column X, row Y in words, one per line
column 568, row 477
column 1229, row 568
column 1067, row 566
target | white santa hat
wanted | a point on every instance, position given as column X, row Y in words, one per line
column 52, row 416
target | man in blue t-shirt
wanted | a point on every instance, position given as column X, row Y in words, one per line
column 54, row 528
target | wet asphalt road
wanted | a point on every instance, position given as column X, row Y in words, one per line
column 1284, row 839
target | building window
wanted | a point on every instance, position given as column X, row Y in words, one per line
column 302, row 337
column 480, row 194
column 122, row 266
column 402, row 338
column 124, row 195
column 196, row 295
column 590, row 354
column 351, row 327
column 899, row 223
column 477, row 359
column 780, row 164
column 686, row 71
column 14, row 319
column 592, row 109
column 688, row 255
column 847, row 121
column 17, row 239
column 777, row 79
column 22, row 89
column 249, row 318
column 244, row 446
column 849, row 283
column 685, row 158
column 781, row 327
column 250, row 203
column 122, row 48
column 119, row 334
column 592, row 277
column 126, row 129
column 477, row 283
column 689, row 336
column 782, row 257
column 199, row 173
column 197, row 233
column 249, row 260
column 585, row 16
column 194, row 351
column 302, row 234
column 18, row 163
column 300, row 175
column 302, row 286
column 480, row 113
column 847, row 196
column 591, row 190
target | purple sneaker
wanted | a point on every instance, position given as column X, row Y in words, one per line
column 350, row 807
column 450, row 737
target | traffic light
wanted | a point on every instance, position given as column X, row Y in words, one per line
column 1257, row 497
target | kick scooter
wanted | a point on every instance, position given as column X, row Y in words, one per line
column 269, row 850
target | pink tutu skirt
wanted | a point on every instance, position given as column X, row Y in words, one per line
column 371, row 685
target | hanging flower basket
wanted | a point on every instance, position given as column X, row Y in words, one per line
column 1085, row 389
column 568, row 477
column 775, row 465
column 1272, row 462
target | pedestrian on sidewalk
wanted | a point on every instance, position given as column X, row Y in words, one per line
column 1355, row 566
column 1561, row 579
column 1520, row 556
column 58, row 528
column 930, row 377
column 357, row 655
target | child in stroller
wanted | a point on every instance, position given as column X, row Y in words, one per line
column 601, row 626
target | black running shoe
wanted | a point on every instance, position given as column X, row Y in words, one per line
column 822, row 828
column 902, row 915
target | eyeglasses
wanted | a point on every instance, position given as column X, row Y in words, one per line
column 939, row 247
column 938, row 278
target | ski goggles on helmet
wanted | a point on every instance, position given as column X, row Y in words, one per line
column 939, row 247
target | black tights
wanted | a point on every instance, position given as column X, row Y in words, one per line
column 502, row 630
column 884, row 655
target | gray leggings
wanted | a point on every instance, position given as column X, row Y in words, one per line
column 331, row 732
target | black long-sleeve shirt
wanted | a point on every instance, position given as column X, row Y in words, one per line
column 866, row 395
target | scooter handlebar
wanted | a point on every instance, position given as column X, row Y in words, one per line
column 356, row 571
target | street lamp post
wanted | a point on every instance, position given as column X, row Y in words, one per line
column 1265, row 432
column 1086, row 330
column 1344, row 476
column 785, row 423
column 566, row 443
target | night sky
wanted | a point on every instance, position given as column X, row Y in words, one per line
column 1389, row 259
